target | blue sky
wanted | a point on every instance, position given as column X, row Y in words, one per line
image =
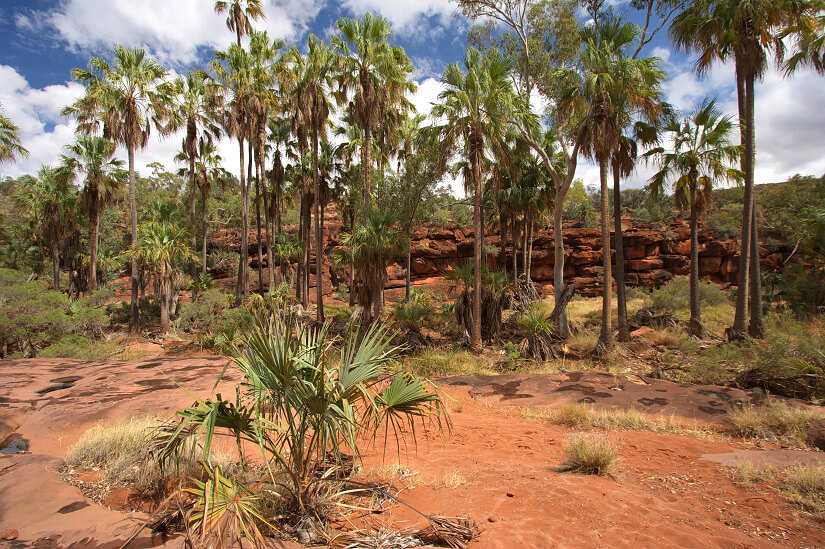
column 41, row 40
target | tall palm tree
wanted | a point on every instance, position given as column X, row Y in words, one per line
column 162, row 248
column 317, row 82
column 367, row 58
column 701, row 156
column 50, row 201
column 474, row 111
column 240, row 14
column 123, row 96
column 190, row 104
column 614, row 85
column 234, row 73
column 91, row 158
column 748, row 31
column 10, row 147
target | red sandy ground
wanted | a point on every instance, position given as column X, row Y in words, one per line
column 500, row 465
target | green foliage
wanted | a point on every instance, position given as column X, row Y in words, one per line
column 303, row 403
column 578, row 205
column 31, row 316
column 80, row 346
column 204, row 314
column 415, row 313
column 674, row 296
column 726, row 220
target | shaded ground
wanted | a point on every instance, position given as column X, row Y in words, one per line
column 495, row 465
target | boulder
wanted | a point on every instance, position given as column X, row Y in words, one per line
column 644, row 265
column 815, row 434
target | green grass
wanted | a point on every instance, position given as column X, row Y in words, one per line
column 590, row 454
column 445, row 362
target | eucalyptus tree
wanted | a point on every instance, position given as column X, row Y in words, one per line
column 239, row 15
column 190, row 104
column 749, row 32
column 10, row 147
column 701, row 155
column 471, row 117
column 91, row 159
column 123, row 96
column 49, row 202
column 367, row 58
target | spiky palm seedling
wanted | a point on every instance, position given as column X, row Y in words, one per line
column 538, row 333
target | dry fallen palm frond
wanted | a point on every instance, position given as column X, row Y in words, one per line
column 457, row 532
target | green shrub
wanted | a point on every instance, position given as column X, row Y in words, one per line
column 727, row 220
column 415, row 313
column 204, row 314
column 101, row 296
column 31, row 315
column 80, row 346
column 87, row 318
column 675, row 295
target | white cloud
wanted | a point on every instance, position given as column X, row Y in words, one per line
column 172, row 30
column 405, row 16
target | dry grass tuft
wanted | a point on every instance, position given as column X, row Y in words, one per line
column 751, row 473
column 590, row 454
column 806, row 486
column 584, row 416
column 779, row 421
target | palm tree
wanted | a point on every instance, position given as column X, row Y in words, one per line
column 10, row 147
column 614, row 86
column 91, row 158
column 701, row 155
column 234, row 72
column 123, row 96
column 190, row 104
column 372, row 245
column 367, row 58
column 240, row 14
column 161, row 249
column 749, row 31
column 316, row 81
column 474, row 111
column 50, row 202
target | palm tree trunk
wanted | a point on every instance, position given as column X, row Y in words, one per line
column 475, row 339
column 319, row 241
column 258, row 226
column 134, row 319
column 299, row 282
column 94, row 227
column 562, row 326
column 695, row 327
column 192, row 214
column 268, row 235
column 244, row 252
column 530, row 254
column 365, row 165
column 164, row 303
column 606, row 335
column 621, row 298
column 756, row 328
column 738, row 330
column 246, row 206
column 307, row 247
column 204, row 199
column 56, row 264
column 514, row 240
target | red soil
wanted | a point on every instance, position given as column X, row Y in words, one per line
column 495, row 466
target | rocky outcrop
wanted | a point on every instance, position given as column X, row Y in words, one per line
column 652, row 257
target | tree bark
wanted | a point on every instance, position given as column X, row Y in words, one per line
column 134, row 318
column 246, row 277
column 94, row 228
column 563, row 326
column 268, row 233
column 407, row 281
column 193, row 270
column 299, row 281
column 164, row 303
column 56, row 264
column 243, row 257
column 695, row 327
column 204, row 199
column 475, row 339
column 606, row 335
column 319, row 244
column 366, row 165
column 530, row 254
column 756, row 328
column 258, row 228
column 738, row 330
column 621, row 298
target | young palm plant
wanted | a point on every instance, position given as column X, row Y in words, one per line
column 162, row 249
column 10, row 147
column 304, row 401
column 701, row 155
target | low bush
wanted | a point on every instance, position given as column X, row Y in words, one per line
column 204, row 314
column 415, row 313
column 81, row 347
column 675, row 295
column 590, row 454
column 779, row 421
